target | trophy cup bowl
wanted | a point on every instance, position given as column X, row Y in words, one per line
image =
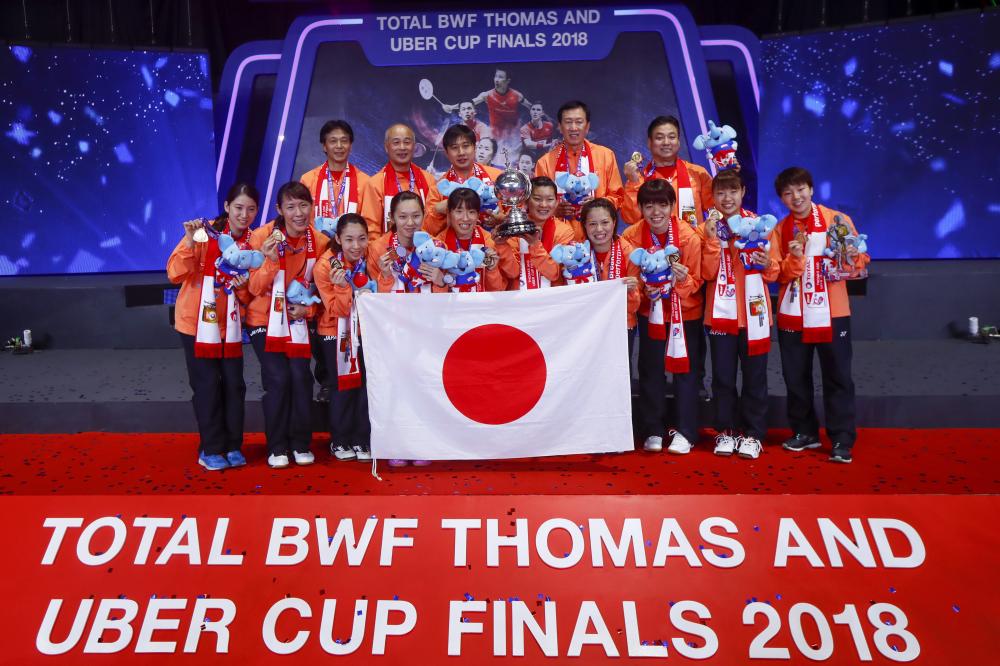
column 513, row 188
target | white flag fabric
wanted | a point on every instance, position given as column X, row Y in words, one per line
column 507, row 374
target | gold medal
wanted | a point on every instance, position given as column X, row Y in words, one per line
column 335, row 264
column 637, row 157
column 278, row 236
column 200, row 236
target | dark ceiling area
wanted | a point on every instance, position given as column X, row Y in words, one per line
column 219, row 26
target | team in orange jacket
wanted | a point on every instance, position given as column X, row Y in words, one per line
column 535, row 267
column 464, row 234
column 611, row 255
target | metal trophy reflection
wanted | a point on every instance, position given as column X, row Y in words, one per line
column 513, row 188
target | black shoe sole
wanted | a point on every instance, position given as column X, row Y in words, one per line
column 814, row 445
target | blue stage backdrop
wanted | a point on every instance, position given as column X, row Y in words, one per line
column 898, row 125
column 105, row 153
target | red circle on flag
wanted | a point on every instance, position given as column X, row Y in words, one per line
column 494, row 374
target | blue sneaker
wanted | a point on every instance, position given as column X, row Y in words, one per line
column 212, row 463
column 236, row 459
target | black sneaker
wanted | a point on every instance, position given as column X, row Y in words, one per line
column 801, row 442
column 840, row 454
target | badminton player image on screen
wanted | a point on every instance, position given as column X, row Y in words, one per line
column 503, row 104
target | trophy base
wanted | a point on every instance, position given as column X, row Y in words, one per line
column 516, row 224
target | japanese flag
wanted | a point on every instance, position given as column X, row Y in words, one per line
column 507, row 374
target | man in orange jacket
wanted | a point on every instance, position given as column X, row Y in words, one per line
column 814, row 317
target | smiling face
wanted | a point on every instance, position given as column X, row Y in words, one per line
column 600, row 229
column 353, row 240
column 399, row 143
column 337, row 146
column 541, row 204
column 728, row 198
column 242, row 210
column 664, row 143
column 574, row 127
column 463, row 221
column 460, row 154
column 657, row 215
column 297, row 214
column 408, row 219
column 798, row 199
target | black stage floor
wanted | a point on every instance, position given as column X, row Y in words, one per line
column 900, row 383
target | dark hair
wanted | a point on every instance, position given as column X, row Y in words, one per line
column 293, row 190
column 542, row 181
column 404, row 196
column 463, row 197
column 350, row 218
column 600, row 204
column 662, row 120
column 656, row 191
column 792, row 176
column 239, row 189
column 491, row 140
column 728, row 178
column 501, row 69
column 573, row 104
column 331, row 125
column 456, row 132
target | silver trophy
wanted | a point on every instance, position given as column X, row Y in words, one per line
column 513, row 188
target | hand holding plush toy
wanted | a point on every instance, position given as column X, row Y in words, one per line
column 467, row 262
column 719, row 144
column 655, row 269
column 577, row 261
column 750, row 235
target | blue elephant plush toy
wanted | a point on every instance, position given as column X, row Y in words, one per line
column 576, row 188
column 426, row 250
column 234, row 262
column 467, row 262
column 655, row 267
column 325, row 225
column 719, row 144
column 749, row 235
column 300, row 294
column 576, row 260
column 487, row 194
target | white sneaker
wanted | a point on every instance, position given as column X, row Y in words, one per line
column 750, row 447
column 653, row 443
column 277, row 462
column 679, row 445
column 725, row 444
column 304, row 457
column 342, row 452
column 361, row 453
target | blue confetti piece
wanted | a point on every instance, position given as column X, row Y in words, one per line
column 469, row 597
column 22, row 53
column 691, row 644
column 951, row 221
column 724, row 555
column 892, row 590
column 147, row 211
column 201, row 596
column 778, row 597
column 899, row 128
column 815, row 104
column 28, row 239
column 55, row 117
column 953, row 98
column 848, row 108
column 93, row 115
column 753, row 599
column 123, row 154
column 756, row 528
column 946, row 67
column 850, row 67
column 147, row 77
column 895, row 649
column 359, row 613
column 395, row 597
column 160, row 62
column 84, row 146
column 955, row 608
column 171, row 97
column 938, row 164
column 329, row 539
column 671, row 603
column 786, row 105
column 701, row 547
column 20, row 133
column 337, row 641
column 35, row 152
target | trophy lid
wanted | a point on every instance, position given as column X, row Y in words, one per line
column 512, row 187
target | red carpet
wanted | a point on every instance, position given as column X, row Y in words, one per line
column 956, row 461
